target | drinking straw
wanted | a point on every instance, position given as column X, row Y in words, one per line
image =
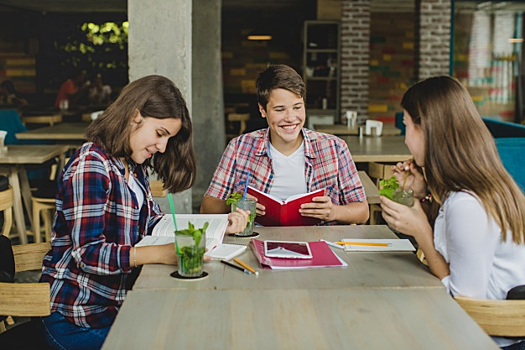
column 246, row 185
column 170, row 199
column 406, row 176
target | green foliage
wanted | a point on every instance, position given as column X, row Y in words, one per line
column 388, row 186
column 92, row 43
column 233, row 198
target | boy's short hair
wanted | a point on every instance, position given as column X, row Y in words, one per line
column 278, row 76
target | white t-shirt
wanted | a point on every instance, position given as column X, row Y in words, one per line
column 481, row 265
column 289, row 173
column 134, row 186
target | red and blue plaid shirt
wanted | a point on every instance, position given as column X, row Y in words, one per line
column 329, row 165
column 97, row 222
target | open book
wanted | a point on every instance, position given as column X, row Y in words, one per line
column 164, row 231
column 322, row 256
column 284, row 213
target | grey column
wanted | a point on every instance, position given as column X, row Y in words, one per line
column 160, row 42
column 208, row 101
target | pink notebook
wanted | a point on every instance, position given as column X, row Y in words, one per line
column 323, row 256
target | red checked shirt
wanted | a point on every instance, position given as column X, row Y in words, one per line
column 97, row 222
column 329, row 165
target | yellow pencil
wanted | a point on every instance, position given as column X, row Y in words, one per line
column 364, row 243
column 247, row 267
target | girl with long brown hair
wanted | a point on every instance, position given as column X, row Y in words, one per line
column 476, row 245
column 104, row 207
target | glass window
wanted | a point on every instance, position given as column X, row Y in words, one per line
column 487, row 55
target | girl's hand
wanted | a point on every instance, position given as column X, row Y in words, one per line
column 237, row 221
column 415, row 179
column 320, row 208
column 411, row 221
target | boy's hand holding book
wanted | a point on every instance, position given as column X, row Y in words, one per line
column 320, row 208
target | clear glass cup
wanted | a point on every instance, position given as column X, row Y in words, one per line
column 246, row 204
column 190, row 253
column 405, row 197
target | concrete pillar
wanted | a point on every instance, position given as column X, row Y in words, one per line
column 160, row 42
column 208, row 101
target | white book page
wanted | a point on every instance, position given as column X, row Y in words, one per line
column 226, row 251
column 214, row 232
column 392, row 245
column 291, row 198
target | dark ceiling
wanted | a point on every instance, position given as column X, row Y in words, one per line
column 80, row 6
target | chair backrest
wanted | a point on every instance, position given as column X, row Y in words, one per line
column 239, row 117
column 26, row 299
column 511, row 151
column 499, row 128
column 6, row 205
column 503, row 318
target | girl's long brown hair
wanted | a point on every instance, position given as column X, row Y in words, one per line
column 460, row 152
column 153, row 96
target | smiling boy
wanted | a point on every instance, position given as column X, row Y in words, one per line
column 286, row 159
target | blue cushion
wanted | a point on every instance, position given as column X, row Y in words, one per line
column 10, row 122
column 399, row 122
column 512, row 151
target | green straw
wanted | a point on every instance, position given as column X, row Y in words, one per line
column 170, row 199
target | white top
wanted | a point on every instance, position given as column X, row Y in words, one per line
column 134, row 186
column 481, row 265
column 289, row 173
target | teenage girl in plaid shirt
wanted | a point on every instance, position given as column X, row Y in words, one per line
column 104, row 207
column 286, row 159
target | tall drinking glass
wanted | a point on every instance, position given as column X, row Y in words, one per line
column 190, row 247
column 246, row 204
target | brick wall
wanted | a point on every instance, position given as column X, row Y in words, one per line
column 355, row 57
column 433, row 47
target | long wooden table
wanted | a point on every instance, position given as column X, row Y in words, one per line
column 381, row 300
column 12, row 163
column 371, row 190
column 60, row 131
column 377, row 148
column 343, row 130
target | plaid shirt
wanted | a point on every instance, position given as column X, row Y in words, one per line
column 328, row 162
column 96, row 224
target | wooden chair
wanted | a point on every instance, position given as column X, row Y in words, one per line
column 241, row 118
column 42, row 119
column 6, row 206
column 502, row 318
column 26, row 299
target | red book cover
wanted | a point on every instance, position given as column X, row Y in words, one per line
column 322, row 256
column 284, row 213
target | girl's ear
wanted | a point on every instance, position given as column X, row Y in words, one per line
column 137, row 118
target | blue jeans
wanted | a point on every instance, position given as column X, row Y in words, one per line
column 60, row 334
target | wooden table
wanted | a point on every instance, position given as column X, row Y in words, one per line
column 381, row 300
column 371, row 190
column 294, row 319
column 61, row 131
column 343, row 130
column 370, row 269
column 377, row 148
column 12, row 164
